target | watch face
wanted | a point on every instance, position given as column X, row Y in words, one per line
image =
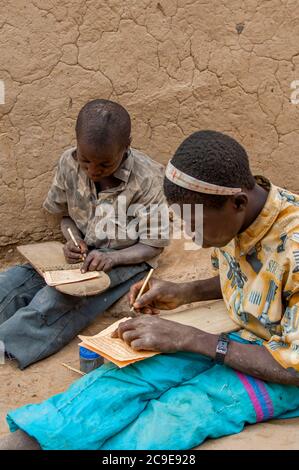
column 222, row 347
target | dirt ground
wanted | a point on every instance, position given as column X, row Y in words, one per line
column 50, row 377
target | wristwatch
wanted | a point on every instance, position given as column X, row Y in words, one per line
column 221, row 348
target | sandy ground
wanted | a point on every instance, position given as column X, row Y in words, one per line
column 50, row 377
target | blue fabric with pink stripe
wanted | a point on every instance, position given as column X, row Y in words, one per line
column 169, row 401
column 259, row 397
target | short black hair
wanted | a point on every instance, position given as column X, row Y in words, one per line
column 215, row 158
column 102, row 122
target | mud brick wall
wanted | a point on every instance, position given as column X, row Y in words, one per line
column 177, row 65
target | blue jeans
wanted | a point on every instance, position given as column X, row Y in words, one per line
column 37, row 320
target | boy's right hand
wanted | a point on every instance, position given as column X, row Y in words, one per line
column 72, row 253
column 159, row 294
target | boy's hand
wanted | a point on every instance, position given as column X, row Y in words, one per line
column 159, row 294
column 156, row 334
column 99, row 261
column 72, row 253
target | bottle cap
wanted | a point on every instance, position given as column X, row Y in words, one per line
column 87, row 354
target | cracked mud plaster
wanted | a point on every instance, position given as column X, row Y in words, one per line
column 177, row 65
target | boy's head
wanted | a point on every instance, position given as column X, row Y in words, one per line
column 103, row 131
column 213, row 157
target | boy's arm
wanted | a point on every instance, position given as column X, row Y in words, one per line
column 166, row 295
column 148, row 332
column 104, row 261
column 276, row 361
column 56, row 200
column 205, row 289
column 136, row 254
column 65, row 224
column 250, row 359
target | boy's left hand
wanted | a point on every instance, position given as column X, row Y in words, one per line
column 99, row 261
column 152, row 333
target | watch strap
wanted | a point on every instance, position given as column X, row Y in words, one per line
column 221, row 348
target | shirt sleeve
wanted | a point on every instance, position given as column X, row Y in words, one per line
column 153, row 216
column 285, row 346
column 56, row 200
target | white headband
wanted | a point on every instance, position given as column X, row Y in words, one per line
column 188, row 182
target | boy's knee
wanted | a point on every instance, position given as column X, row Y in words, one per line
column 48, row 299
column 14, row 278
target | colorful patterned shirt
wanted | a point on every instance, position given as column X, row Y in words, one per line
column 259, row 275
column 136, row 198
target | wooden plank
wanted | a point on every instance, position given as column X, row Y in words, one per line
column 43, row 256
column 208, row 316
column 49, row 255
column 86, row 288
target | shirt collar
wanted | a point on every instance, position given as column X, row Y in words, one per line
column 124, row 170
column 266, row 218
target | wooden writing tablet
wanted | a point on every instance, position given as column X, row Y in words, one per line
column 211, row 316
column 47, row 256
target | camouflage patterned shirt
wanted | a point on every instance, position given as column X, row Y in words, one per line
column 133, row 201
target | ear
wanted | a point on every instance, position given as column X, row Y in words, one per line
column 240, row 201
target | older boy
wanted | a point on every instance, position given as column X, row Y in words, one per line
column 36, row 320
column 213, row 385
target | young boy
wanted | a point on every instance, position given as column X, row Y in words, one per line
column 36, row 320
column 213, row 385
